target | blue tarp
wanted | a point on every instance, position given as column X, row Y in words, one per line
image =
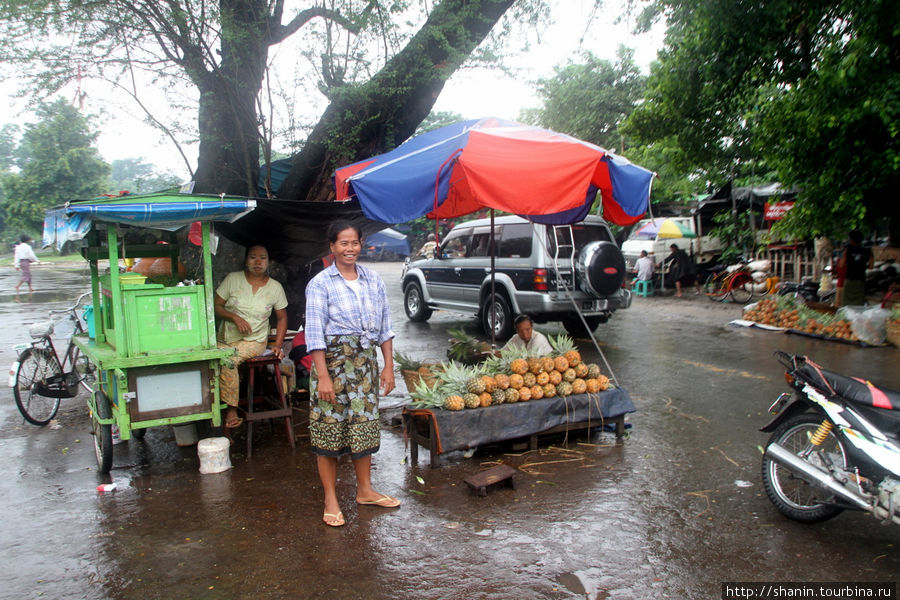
column 158, row 211
column 388, row 240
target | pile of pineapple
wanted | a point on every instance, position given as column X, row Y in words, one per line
column 517, row 376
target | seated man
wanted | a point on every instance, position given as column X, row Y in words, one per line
column 643, row 267
column 526, row 337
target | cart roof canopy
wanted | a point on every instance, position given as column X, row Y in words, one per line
column 162, row 210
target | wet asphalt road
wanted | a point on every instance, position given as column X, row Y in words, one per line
column 663, row 514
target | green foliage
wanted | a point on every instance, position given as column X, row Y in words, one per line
column 589, row 100
column 807, row 88
column 737, row 237
column 56, row 161
column 138, row 177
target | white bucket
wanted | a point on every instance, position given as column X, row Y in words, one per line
column 213, row 453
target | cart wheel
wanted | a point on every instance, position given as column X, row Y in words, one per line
column 103, row 445
column 138, row 434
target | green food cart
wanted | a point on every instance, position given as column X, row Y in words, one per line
column 153, row 341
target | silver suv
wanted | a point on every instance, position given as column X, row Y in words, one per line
column 540, row 270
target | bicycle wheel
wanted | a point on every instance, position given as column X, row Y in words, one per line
column 715, row 287
column 103, row 446
column 36, row 366
column 741, row 287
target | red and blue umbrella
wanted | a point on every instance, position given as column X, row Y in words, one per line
column 545, row 176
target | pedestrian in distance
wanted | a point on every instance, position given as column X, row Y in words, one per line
column 683, row 270
column 429, row 248
column 244, row 301
column 854, row 262
column 644, row 267
column 347, row 318
column 23, row 258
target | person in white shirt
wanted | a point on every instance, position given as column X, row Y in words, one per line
column 644, row 267
column 526, row 337
column 23, row 258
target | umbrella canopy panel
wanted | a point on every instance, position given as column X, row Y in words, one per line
column 491, row 163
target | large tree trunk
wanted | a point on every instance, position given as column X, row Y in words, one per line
column 379, row 115
column 229, row 138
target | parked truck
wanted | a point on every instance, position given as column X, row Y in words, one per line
column 705, row 249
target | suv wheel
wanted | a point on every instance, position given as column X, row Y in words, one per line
column 576, row 328
column 502, row 316
column 414, row 304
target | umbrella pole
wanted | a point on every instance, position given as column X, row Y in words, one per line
column 493, row 287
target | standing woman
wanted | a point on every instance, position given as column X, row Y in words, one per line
column 347, row 316
column 244, row 301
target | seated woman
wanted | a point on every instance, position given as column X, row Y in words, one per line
column 244, row 301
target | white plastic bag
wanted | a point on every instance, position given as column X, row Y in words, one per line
column 869, row 324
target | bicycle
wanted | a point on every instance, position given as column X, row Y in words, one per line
column 734, row 281
column 41, row 379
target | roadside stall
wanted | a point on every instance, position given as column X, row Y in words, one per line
column 545, row 177
column 151, row 341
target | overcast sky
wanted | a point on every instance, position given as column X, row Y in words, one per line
column 472, row 93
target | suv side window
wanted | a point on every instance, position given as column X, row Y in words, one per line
column 481, row 240
column 516, row 240
column 583, row 234
column 456, row 245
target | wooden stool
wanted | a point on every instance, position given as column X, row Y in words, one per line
column 491, row 478
column 278, row 406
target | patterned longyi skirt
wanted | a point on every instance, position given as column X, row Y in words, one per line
column 350, row 426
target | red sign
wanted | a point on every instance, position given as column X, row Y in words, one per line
column 774, row 212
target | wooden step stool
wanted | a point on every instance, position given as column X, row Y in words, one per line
column 491, row 478
column 276, row 407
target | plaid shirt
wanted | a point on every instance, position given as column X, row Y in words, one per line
column 333, row 308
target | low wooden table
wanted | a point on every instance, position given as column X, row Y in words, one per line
column 442, row 431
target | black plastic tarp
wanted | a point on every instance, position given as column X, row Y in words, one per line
column 463, row 429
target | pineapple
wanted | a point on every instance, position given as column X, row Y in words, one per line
column 519, row 366
column 564, row 346
column 498, row 397
column 488, row 383
column 529, row 379
column 564, row 389
column 537, row 392
column 581, row 370
column 516, row 381
column 560, row 363
column 555, row 377
column 594, row 371
column 604, row 382
column 484, row 399
column 471, row 400
column 453, row 379
column 579, row 386
column 569, row 375
column 534, row 365
column 549, row 390
column 501, row 381
column 593, row 385
column 426, row 396
column 524, row 394
column 547, row 364
column 512, row 396
column 543, row 378
column 454, row 402
column 475, row 386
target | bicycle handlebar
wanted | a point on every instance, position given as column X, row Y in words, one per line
column 54, row 311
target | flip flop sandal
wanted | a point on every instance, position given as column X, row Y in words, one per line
column 384, row 502
column 234, row 423
column 333, row 520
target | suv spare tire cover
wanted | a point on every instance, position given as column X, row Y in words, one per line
column 602, row 268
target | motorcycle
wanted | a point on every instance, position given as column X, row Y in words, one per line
column 835, row 445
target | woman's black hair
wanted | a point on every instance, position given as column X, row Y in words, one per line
column 253, row 245
column 335, row 227
column 521, row 319
column 24, row 238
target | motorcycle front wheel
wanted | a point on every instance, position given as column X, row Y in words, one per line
column 791, row 495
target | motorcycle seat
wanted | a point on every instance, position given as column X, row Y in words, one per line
column 852, row 389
